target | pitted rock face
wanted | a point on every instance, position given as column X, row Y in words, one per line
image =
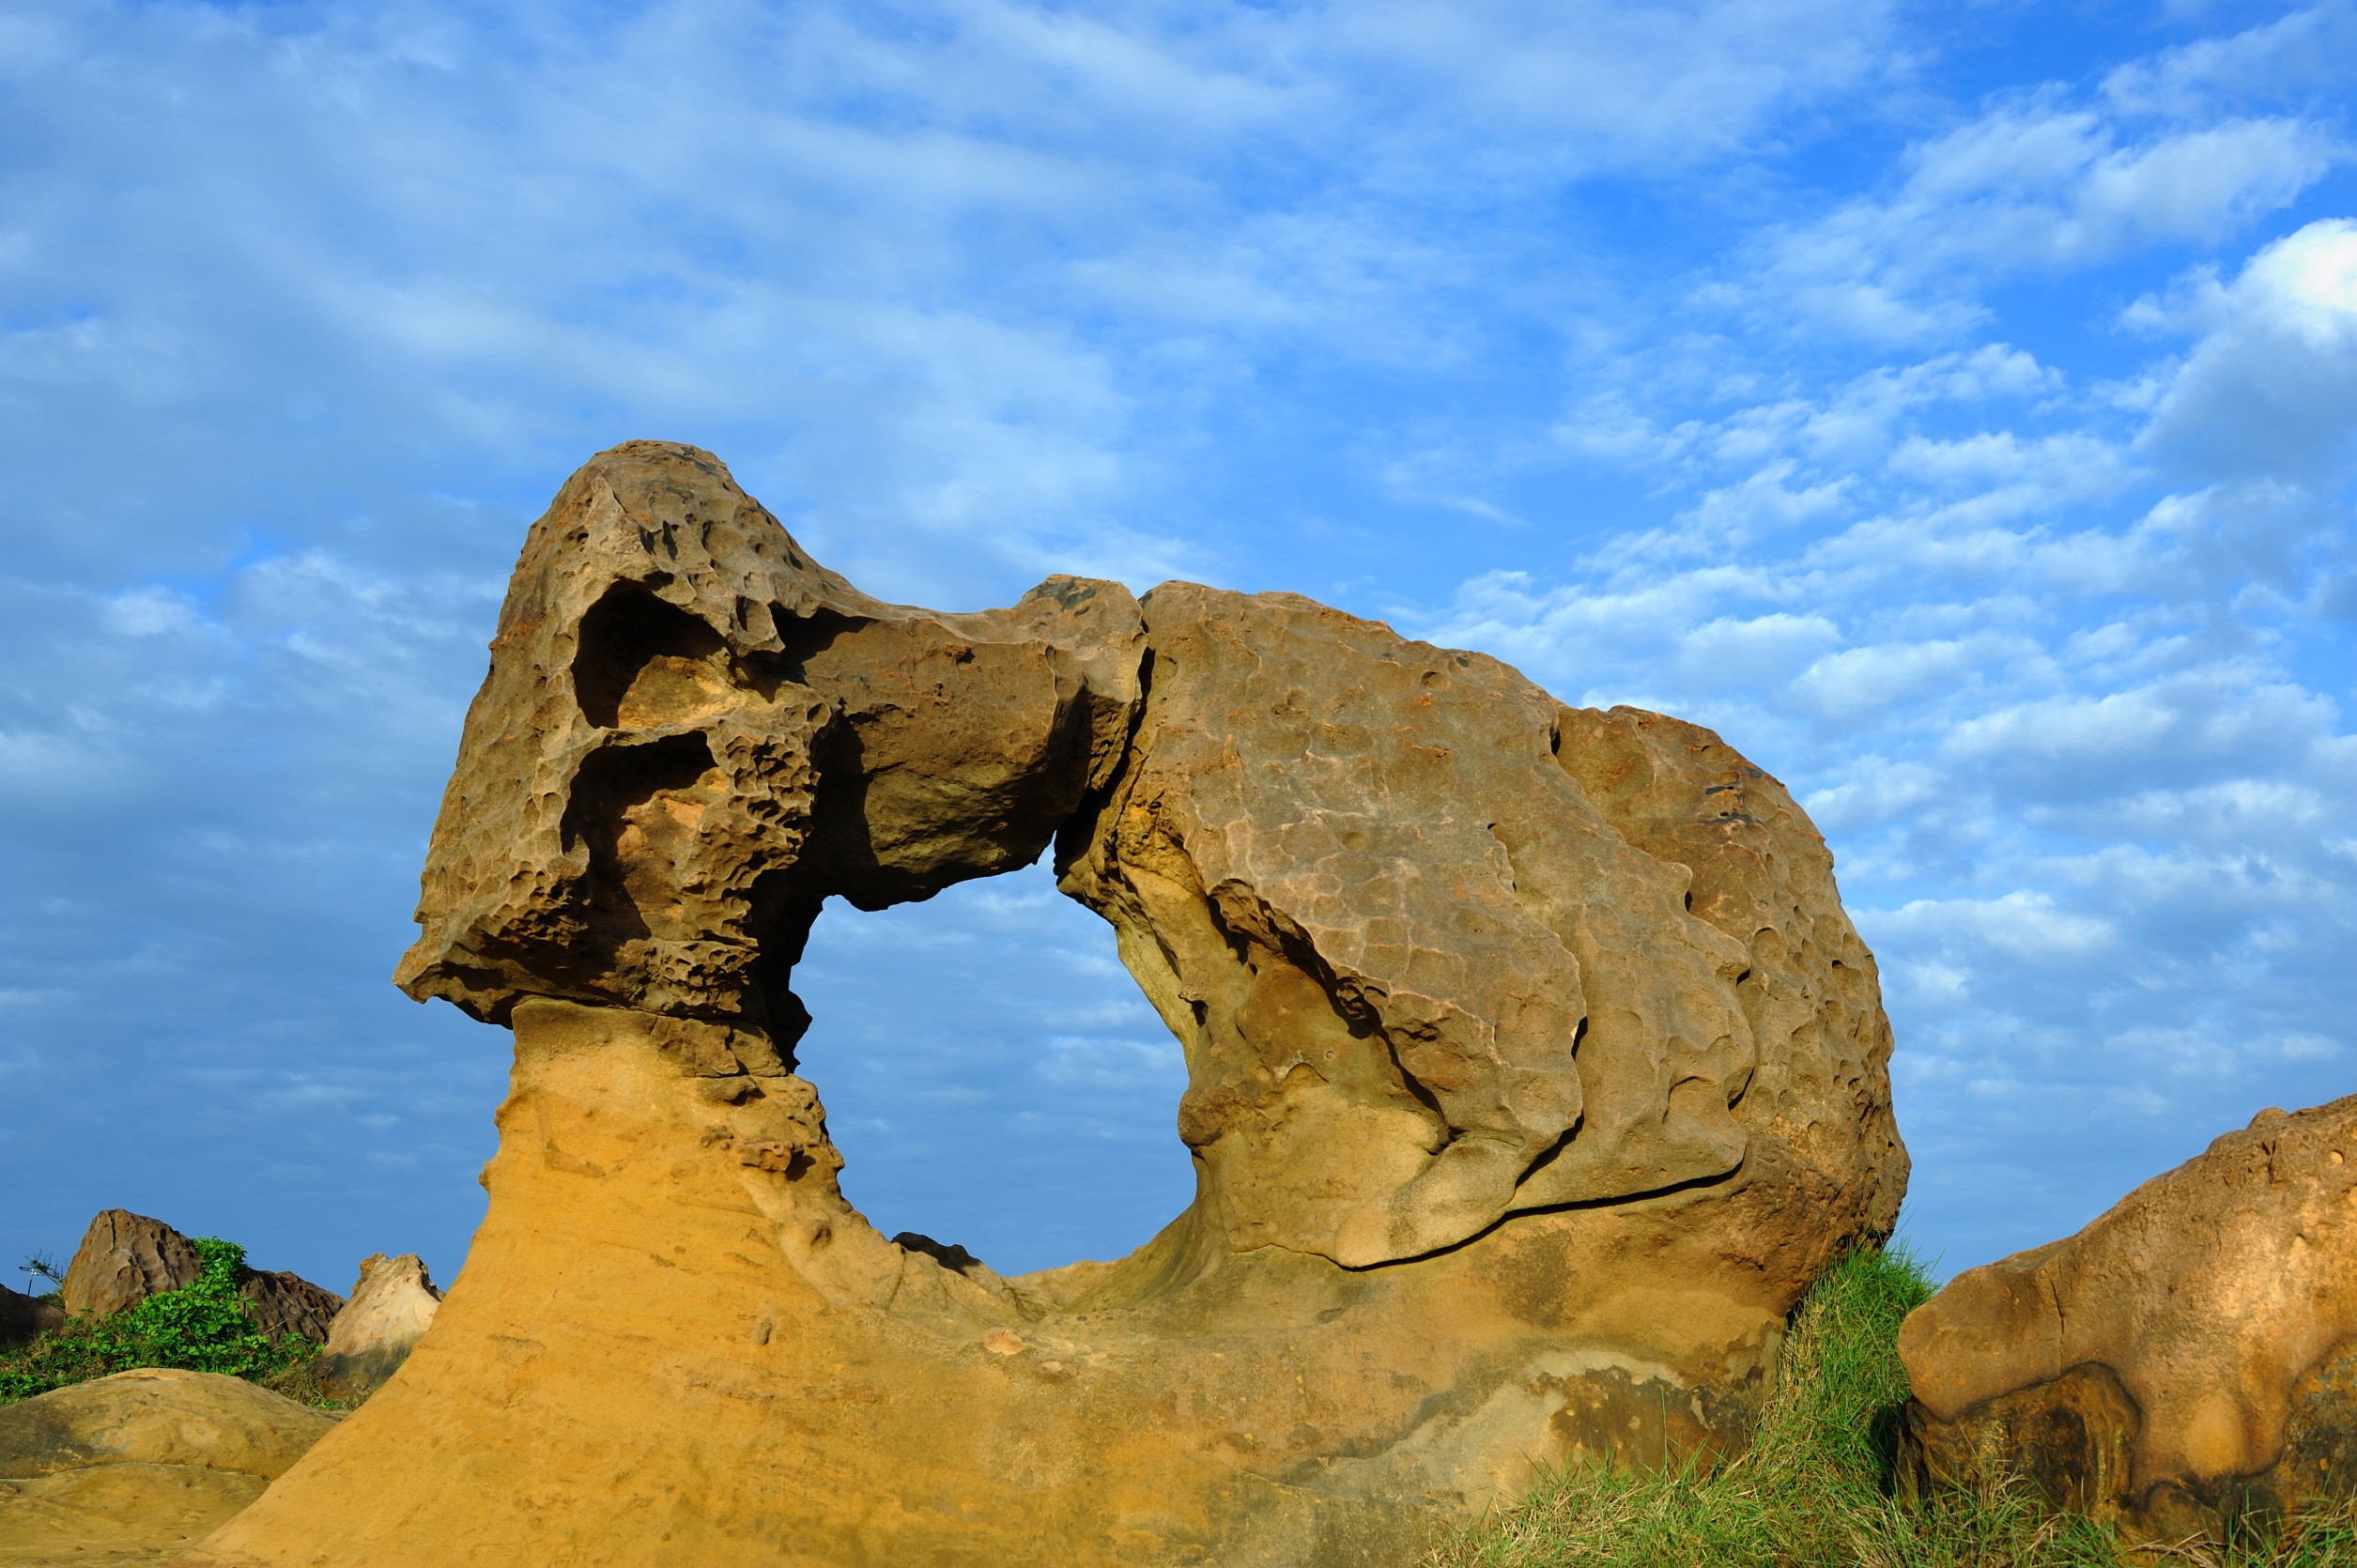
column 1534, row 1072
column 692, row 734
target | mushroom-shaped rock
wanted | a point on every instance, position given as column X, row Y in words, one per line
column 1534, row 1071
column 2188, row 1358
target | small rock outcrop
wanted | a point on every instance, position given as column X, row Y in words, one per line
column 125, row 1257
column 24, row 1317
column 288, row 1306
column 1534, row 1072
column 136, row 1467
column 393, row 1305
column 2189, row 1358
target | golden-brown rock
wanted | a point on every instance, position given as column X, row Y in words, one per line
column 124, row 1258
column 1534, row 1072
column 2191, row 1356
column 1428, row 966
column 133, row 1468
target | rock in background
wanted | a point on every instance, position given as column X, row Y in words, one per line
column 23, row 1317
column 392, row 1306
column 2189, row 1358
column 288, row 1306
column 125, row 1259
column 133, row 1468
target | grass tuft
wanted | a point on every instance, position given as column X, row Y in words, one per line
column 1814, row 1490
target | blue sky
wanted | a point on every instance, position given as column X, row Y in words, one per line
column 1955, row 406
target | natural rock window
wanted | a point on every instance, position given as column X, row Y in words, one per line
column 1532, row 1072
column 992, row 1076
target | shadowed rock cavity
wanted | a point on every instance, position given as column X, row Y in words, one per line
column 1534, row 1071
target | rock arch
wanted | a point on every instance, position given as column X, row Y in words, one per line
column 1534, row 1071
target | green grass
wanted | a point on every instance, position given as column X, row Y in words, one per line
column 205, row 1326
column 1814, row 1490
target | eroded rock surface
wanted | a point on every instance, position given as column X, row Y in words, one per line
column 392, row 1306
column 134, row 1468
column 1534, row 1072
column 2187, row 1357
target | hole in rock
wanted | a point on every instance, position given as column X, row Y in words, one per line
column 993, row 1075
column 644, row 661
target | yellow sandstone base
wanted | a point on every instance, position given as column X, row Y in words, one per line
column 673, row 1342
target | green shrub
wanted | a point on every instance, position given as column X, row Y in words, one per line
column 1814, row 1490
column 205, row 1326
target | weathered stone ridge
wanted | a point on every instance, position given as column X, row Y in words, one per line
column 1534, row 1070
column 2188, row 1359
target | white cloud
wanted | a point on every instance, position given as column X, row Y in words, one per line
column 153, row 611
column 2217, row 716
column 2055, row 466
column 2270, row 390
column 2302, row 54
column 1858, row 681
column 2021, row 925
column 1877, row 791
column 2029, row 186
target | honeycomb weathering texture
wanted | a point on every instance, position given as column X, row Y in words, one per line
column 1534, row 1070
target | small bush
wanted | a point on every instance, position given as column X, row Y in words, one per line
column 1814, row 1490
column 205, row 1326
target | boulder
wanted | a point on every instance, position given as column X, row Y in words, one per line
column 1534, row 1068
column 24, row 1317
column 392, row 1306
column 136, row 1467
column 126, row 1257
column 288, row 1306
column 2188, row 1359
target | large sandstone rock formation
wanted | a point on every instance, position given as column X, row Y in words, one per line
column 1534, row 1072
column 392, row 1306
column 134, row 1468
column 125, row 1257
column 2190, row 1357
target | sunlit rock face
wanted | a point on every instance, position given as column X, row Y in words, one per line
column 2186, row 1363
column 1534, row 1071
